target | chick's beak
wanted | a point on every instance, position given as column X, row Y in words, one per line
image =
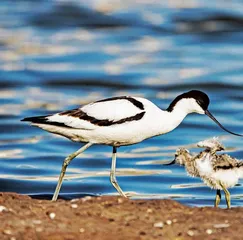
column 171, row 163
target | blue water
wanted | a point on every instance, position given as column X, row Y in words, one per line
column 57, row 55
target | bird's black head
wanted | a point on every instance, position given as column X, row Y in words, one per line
column 195, row 101
column 200, row 97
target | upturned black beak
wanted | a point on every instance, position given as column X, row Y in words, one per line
column 215, row 120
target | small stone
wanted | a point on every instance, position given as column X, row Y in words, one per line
column 52, row 215
column 168, row 222
column 7, row 231
column 87, row 198
column 37, row 221
column 3, row 209
column 221, row 225
column 190, row 233
column 22, row 222
column 107, row 204
column 74, row 205
column 159, row 225
column 11, row 210
column 62, row 225
column 81, row 230
column 174, row 220
column 149, row 210
column 13, row 238
column 39, row 229
column 209, row 231
column 74, row 200
column 120, row 200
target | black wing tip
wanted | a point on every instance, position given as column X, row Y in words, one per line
column 28, row 119
column 43, row 120
column 39, row 119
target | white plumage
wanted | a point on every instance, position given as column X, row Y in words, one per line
column 120, row 121
column 215, row 178
column 154, row 122
column 115, row 110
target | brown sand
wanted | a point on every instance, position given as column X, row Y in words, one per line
column 114, row 218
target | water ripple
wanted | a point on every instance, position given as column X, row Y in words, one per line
column 57, row 55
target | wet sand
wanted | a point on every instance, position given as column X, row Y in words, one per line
column 110, row 218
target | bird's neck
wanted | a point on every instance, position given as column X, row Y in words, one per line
column 172, row 119
column 191, row 167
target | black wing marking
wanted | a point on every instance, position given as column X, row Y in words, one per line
column 135, row 102
column 78, row 113
column 226, row 162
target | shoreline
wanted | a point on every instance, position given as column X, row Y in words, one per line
column 110, row 217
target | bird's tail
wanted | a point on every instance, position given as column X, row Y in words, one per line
column 240, row 168
column 38, row 119
column 212, row 144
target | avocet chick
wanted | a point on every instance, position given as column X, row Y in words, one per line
column 219, row 172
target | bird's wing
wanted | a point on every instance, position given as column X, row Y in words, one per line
column 114, row 109
column 224, row 161
column 105, row 112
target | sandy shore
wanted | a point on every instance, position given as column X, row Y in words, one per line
column 22, row 217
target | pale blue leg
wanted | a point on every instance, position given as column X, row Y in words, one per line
column 113, row 174
column 64, row 167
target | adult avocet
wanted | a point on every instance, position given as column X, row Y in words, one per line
column 120, row 121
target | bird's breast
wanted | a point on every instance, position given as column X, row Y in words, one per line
column 204, row 165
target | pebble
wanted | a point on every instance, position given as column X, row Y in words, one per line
column 159, row 225
column 52, row 215
column 39, row 229
column 62, row 225
column 3, row 209
column 120, row 200
column 221, row 225
column 142, row 233
column 7, row 231
column 36, row 221
column 22, row 222
column 82, row 230
column 168, row 222
column 74, row 200
column 190, row 233
column 74, row 205
column 209, row 231
column 106, row 204
column 13, row 238
column 87, row 198
column 149, row 210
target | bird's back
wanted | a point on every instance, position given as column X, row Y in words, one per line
column 114, row 121
column 223, row 170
